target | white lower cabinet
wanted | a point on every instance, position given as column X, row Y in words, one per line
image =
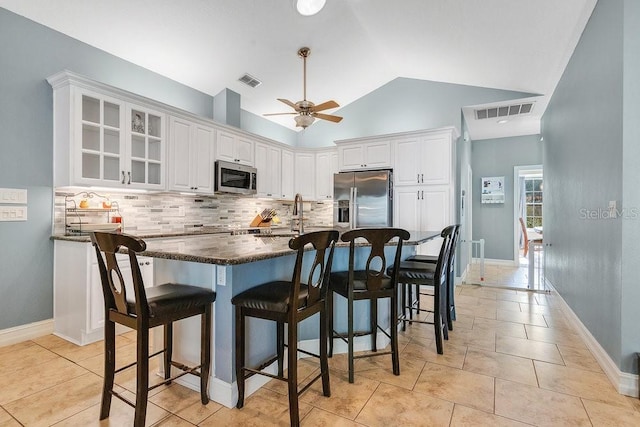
column 78, row 302
column 424, row 207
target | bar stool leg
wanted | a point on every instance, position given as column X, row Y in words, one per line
column 168, row 349
column 374, row 323
column 292, row 375
column 142, row 377
column 350, row 339
column 403, row 302
column 280, row 349
column 109, row 366
column 394, row 334
column 329, row 309
column 324, row 364
column 205, row 353
column 240, row 355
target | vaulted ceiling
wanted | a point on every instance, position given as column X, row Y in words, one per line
column 356, row 45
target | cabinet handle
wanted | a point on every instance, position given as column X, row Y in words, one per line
column 418, row 179
column 418, row 194
column 129, row 173
column 422, row 178
column 422, row 194
column 122, row 177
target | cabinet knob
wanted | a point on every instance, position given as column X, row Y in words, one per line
column 147, row 263
column 129, row 182
column 122, row 182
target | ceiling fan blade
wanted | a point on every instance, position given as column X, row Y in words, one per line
column 331, row 118
column 278, row 114
column 325, row 106
column 289, row 103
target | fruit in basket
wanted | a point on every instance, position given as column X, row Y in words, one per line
column 84, row 203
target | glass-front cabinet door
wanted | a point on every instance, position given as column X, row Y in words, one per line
column 146, row 149
column 101, row 140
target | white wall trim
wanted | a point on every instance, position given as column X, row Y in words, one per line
column 492, row 261
column 625, row 383
column 25, row 332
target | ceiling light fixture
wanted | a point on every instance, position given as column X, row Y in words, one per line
column 304, row 120
column 309, row 7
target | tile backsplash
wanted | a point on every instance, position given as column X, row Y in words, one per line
column 170, row 212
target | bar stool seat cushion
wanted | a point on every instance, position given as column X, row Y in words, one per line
column 414, row 270
column 424, row 258
column 340, row 282
column 171, row 298
column 272, row 296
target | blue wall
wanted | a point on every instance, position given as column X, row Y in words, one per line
column 497, row 157
column 591, row 155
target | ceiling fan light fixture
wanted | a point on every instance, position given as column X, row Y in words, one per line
column 303, row 120
column 309, row 7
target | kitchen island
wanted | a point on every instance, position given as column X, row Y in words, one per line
column 230, row 264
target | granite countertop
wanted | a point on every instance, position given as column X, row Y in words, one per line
column 227, row 249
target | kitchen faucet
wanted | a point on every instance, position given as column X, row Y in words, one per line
column 297, row 200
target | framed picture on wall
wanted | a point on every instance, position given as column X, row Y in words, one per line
column 492, row 190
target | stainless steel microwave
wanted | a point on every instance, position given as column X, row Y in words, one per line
column 235, row 178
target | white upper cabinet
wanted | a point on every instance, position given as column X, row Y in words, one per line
column 425, row 158
column 326, row 166
column 288, row 189
column 304, row 179
column 191, row 148
column 105, row 140
column 232, row 147
column 268, row 161
column 364, row 154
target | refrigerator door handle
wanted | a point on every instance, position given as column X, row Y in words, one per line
column 354, row 207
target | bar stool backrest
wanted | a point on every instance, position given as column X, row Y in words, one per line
column 318, row 279
column 113, row 281
column 376, row 264
column 445, row 251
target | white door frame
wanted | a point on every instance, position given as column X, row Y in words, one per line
column 516, row 216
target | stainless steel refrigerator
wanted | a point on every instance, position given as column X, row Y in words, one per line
column 363, row 199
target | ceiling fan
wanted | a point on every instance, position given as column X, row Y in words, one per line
column 307, row 111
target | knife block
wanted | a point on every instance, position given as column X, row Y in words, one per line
column 258, row 221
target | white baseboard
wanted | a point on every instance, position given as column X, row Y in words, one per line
column 625, row 383
column 492, row 261
column 25, row 332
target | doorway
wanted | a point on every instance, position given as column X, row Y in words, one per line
column 527, row 210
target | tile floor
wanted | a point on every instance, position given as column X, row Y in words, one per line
column 512, row 360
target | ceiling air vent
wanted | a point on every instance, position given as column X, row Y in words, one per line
column 249, row 80
column 504, row 111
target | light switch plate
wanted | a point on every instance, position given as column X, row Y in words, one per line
column 13, row 196
column 13, row 213
column 221, row 275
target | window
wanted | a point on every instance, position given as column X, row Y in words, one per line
column 533, row 189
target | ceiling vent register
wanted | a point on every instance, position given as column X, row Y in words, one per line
column 249, row 80
column 504, row 111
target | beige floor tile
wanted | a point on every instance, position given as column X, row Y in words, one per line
column 463, row 321
column 500, row 328
column 578, row 382
column 478, row 338
column 409, row 409
column 555, row 336
column 634, row 402
column 120, row 414
column 319, row 418
column 13, row 348
column 410, row 370
column 580, row 358
column 457, row 386
column 24, row 357
column 26, row 381
column 468, row 417
column 539, row 309
column 425, row 350
column 500, row 365
column 555, row 321
column 173, row 421
column 175, row 398
column 197, row 412
column 305, row 370
column 74, row 352
column 485, row 312
column 57, row 403
column 465, row 300
column 538, row 407
column 346, row 399
column 520, row 297
column 257, row 412
column 6, row 420
column 603, row 414
column 536, row 350
column 525, row 318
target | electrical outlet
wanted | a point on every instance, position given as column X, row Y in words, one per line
column 221, row 275
column 13, row 196
column 13, row 213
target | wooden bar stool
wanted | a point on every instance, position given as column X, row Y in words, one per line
column 451, row 275
column 417, row 274
column 289, row 302
column 371, row 284
column 142, row 309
